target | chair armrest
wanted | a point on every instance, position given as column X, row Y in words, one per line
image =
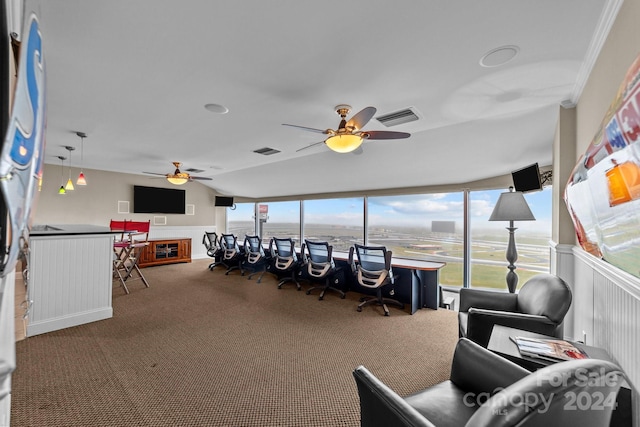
column 381, row 406
column 480, row 323
column 491, row 300
column 478, row 370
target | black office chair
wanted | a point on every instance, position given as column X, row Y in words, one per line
column 373, row 270
column 231, row 252
column 320, row 267
column 255, row 258
column 212, row 244
column 285, row 262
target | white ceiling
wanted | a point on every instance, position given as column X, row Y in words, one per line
column 134, row 75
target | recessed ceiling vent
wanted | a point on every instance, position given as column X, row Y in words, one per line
column 398, row 117
column 194, row 170
column 266, row 151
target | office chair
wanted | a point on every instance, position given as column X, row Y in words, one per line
column 212, row 244
column 285, row 263
column 373, row 271
column 320, row 267
column 231, row 253
column 255, row 259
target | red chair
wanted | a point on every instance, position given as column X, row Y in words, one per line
column 135, row 238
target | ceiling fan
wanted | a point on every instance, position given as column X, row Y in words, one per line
column 349, row 135
column 178, row 177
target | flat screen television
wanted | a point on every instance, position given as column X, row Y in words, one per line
column 224, row 201
column 527, row 179
column 158, row 200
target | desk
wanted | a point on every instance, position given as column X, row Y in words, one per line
column 500, row 343
column 416, row 285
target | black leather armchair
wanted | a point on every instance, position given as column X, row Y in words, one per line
column 540, row 307
column 486, row 390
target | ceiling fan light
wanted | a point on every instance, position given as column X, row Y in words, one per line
column 344, row 143
column 176, row 180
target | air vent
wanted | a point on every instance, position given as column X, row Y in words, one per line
column 399, row 117
column 266, row 151
column 194, row 170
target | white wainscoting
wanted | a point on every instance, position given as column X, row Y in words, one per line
column 198, row 250
column 69, row 281
column 7, row 345
column 606, row 307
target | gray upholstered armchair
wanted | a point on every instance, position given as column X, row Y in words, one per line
column 540, row 307
column 486, row 390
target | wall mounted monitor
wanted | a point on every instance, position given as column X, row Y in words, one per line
column 158, row 200
column 224, row 201
column 527, row 179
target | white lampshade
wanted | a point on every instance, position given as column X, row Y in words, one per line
column 511, row 206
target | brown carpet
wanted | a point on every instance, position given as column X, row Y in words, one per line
column 199, row 348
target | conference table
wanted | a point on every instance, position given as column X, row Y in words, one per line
column 417, row 281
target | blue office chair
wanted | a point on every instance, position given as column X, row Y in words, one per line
column 320, row 267
column 231, row 252
column 255, row 259
column 373, row 270
column 285, row 262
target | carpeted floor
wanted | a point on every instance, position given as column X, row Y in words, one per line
column 199, row 348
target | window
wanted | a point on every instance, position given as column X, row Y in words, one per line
column 489, row 240
column 421, row 226
column 279, row 219
column 241, row 220
column 337, row 221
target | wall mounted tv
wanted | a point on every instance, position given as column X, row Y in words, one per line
column 224, row 201
column 158, row 200
column 527, row 179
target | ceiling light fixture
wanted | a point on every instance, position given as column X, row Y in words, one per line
column 81, row 178
column 62, row 190
column 69, row 186
column 216, row 108
column 344, row 143
column 499, row 56
column 177, row 179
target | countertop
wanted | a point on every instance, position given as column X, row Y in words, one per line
column 67, row 229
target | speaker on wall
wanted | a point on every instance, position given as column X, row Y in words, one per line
column 527, row 179
column 224, row 201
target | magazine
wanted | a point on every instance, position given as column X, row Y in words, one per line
column 552, row 350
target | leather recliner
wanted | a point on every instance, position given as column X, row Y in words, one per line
column 539, row 306
column 486, row 390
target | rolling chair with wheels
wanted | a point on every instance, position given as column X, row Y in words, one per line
column 255, row 259
column 231, row 253
column 373, row 271
column 212, row 244
column 285, row 263
column 320, row 267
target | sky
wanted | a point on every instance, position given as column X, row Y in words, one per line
column 407, row 210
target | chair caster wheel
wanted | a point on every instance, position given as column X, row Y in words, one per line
column 308, row 292
column 320, row 298
column 359, row 309
column 386, row 314
column 362, row 299
column 342, row 296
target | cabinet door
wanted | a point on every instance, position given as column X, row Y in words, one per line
column 185, row 249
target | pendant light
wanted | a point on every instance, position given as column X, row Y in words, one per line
column 62, row 190
column 81, row 179
column 69, row 186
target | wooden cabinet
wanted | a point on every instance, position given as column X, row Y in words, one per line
column 166, row 251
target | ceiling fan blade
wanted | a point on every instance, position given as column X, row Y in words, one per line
column 306, row 128
column 153, row 173
column 361, row 118
column 203, row 178
column 384, row 134
column 309, row 146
